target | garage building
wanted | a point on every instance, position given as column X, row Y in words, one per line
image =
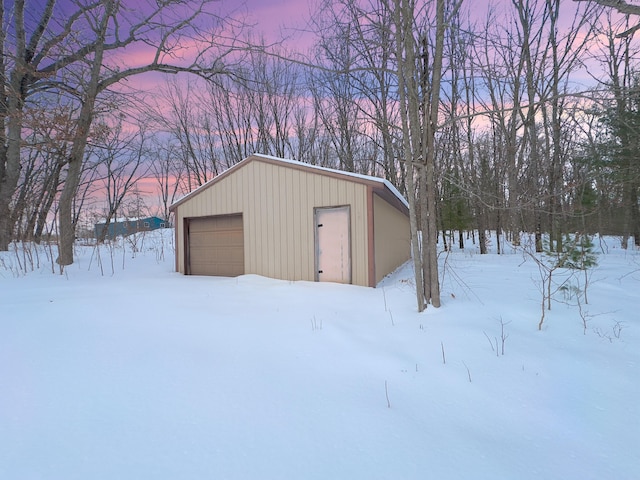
column 292, row 221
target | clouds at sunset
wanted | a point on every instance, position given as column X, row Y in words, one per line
column 277, row 18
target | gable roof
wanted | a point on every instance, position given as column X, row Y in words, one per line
column 354, row 177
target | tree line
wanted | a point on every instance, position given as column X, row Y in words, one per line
column 521, row 118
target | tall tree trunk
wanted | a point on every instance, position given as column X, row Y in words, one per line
column 430, row 123
column 405, row 53
column 11, row 106
column 65, row 213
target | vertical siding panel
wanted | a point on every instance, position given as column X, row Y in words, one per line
column 229, row 193
column 192, row 207
column 245, row 204
column 232, row 186
column 254, row 204
column 274, row 218
column 208, row 201
column 303, row 236
column 322, row 192
column 364, row 232
column 281, row 231
column 241, row 191
column 286, row 245
column 279, row 227
column 308, row 247
column 326, row 191
column 200, row 206
column 296, row 225
column 238, row 189
column 342, row 197
column 261, row 222
column 355, row 246
column 249, row 219
column 212, row 201
column 252, row 197
column 216, row 203
column 283, row 226
column 268, row 223
column 311, row 192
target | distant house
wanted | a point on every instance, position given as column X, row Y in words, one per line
column 127, row 226
column 292, row 221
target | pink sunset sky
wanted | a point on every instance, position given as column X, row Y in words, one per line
column 288, row 19
column 276, row 18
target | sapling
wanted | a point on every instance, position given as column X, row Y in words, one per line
column 491, row 343
column 386, row 392
column 503, row 335
column 574, row 253
column 546, row 274
column 499, row 348
column 468, row 371
column 384, row 297
column 51, row 257
column 617, row 329
column 584, row 315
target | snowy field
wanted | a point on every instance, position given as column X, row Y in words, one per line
column 123, row 369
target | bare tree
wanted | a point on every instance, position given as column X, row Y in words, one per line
column 623, row 7
column 419, row 72
column 168, row 171
column 357, row 40
column 619, row 113
column 500, row 71
column 121, row 159
column 183, row 114
column 70, row 52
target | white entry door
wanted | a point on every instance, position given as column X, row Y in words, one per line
column 333, row 244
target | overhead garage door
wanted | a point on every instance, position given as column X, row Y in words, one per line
column 216, row 246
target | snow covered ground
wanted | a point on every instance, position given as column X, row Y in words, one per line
column 123, row 369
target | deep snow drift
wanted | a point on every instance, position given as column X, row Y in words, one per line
column 123, row 369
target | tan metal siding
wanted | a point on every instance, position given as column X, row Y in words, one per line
column 391, row 237
column 277, row 203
